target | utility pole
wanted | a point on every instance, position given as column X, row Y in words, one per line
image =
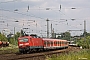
column 14, row 30
column 47, row 28
column 36, row 28
column 51, row 30
column 84, row 30
column 14, row 36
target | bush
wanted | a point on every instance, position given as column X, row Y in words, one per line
column 3, row 38
column 84, row 43
column 80, row 55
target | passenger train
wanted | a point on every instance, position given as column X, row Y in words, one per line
column 35, row 43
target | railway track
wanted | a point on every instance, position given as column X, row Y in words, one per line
column 35, row 56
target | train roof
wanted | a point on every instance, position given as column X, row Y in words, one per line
column 53, row 39
column 25, row 37
column 30, row 36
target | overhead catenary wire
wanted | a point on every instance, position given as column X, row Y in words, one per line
column 23, row 14
column 60, row 7
column 32, row 15
column 8, row 1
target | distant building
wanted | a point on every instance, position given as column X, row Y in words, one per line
column 10, row 35
column 5, row 32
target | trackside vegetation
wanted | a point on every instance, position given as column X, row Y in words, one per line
column 11, row 39
column 85, row 43
column 79, row 40
column 8, row 50
column 81, row 55
column 82, row 41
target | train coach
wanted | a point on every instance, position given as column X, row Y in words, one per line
column 4, row 44
column 55, row 43
column 35, row 43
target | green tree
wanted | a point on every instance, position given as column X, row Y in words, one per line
column 14, row 40
column 3, row 37
column 17, row 35
column 65, row 36
column 22, row 33
column 85, row 43
column 86, row 33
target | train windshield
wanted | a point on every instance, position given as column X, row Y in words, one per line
column 24, row 40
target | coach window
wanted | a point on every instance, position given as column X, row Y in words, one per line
column 65, row 42
column 51, row 43
column 58, row 42
column 55, row 42
column 45, row 42
column 62, row 42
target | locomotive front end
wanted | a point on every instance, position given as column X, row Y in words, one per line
column 23, row 44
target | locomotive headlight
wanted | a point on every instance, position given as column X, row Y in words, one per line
column 20, row 44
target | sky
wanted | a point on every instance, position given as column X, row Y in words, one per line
column 32, row 14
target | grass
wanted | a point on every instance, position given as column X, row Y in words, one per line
column 81, row 55
column 10, row 49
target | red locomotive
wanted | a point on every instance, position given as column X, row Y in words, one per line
column 35, row 43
